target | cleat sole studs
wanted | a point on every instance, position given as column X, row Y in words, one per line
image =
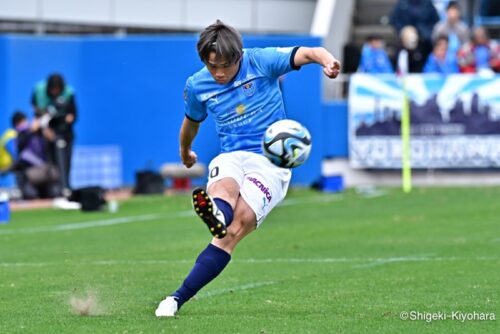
column 209, row 209
column 217, row 236
column 212, row 229
column 223, row 232
column 201, row 214
column 219, row 225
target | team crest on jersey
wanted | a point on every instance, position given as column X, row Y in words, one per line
column 248, row 89
column 240, row 109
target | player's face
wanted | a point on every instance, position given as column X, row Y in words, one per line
column 221, row 70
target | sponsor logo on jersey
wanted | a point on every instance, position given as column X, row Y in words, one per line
column 207, row 96
column 264, row 203
column 262, row 187
column 240, row 109
column 248, row 89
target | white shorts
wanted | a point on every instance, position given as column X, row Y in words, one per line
column 262, row 184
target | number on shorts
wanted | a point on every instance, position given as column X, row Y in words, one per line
column 214, row 172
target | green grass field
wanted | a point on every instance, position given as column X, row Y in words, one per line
column 321, row 263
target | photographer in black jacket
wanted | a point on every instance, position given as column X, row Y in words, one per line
column 54, row 102
column 36, row 177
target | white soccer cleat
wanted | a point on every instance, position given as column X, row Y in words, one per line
column 167, row 308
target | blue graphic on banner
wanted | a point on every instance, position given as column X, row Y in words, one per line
column 455, row 121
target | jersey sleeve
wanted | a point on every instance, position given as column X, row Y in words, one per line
column 275, row 61
column 193, row 108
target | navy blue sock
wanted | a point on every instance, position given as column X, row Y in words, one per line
column 226, row 209
column 208, row 266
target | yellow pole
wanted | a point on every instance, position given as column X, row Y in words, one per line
column 405, row 140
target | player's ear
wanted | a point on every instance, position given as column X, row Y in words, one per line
column 238, row 61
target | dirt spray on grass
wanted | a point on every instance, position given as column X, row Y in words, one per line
column 86, row 305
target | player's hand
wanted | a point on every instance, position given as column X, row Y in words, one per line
column 332, row 68
column 188, row 158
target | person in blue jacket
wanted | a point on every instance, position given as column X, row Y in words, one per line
column 440, row 61
column 374, row 59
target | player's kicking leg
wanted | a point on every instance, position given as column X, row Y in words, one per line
column 217, row 210
column 208, row 210
column 211, row 261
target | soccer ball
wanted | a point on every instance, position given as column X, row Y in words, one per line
column 286, row 143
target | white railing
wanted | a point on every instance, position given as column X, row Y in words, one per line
column 247, row 15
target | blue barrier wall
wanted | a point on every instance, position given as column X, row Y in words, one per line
column 28, row 60
column 129, row 92
column 4, row 122
column 335, row 116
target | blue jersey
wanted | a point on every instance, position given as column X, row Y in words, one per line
column 435, row 65
column 374, row 60
column 247, row 105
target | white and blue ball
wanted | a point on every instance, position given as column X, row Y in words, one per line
column 287, row 143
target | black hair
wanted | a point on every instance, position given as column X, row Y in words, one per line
column 17, row 118
column 222, row 39
column 371, row 38
column 441, row 38
column 55, row 80
column 453, row 4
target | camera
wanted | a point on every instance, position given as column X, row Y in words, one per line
column 56, row 115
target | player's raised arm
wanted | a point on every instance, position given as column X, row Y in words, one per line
column 189, row 130
column 318, row 55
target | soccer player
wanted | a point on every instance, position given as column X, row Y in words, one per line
column 240, row 89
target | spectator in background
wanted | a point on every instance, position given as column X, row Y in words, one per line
column 479, row 55
column 409, row 57
column 440, row 61
column 36, row 176
column 374, row 59
column 453, row 28
column 441, row 6
column 418, row 13
column 55, row 101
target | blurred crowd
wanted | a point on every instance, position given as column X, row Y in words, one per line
column 37, row 148
column 428, row 44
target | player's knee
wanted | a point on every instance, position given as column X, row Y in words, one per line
column 226, row 188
